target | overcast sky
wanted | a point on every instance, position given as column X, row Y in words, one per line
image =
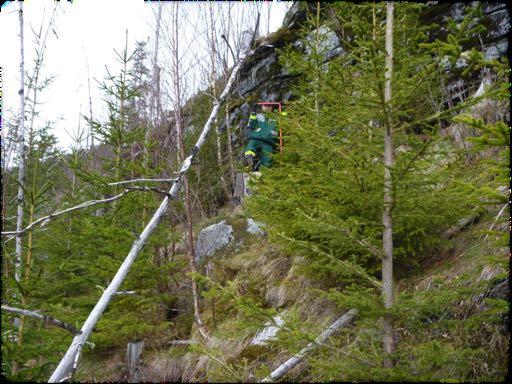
column 84, row 31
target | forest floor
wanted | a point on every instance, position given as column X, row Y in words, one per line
column 253, row 268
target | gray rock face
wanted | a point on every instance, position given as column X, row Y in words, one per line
column 297, row 14
column 261, row 68
column 328, row 45
column 496, row 51
column 254, row 228
column 269, row 332
column 213, row 238
column 263, row 78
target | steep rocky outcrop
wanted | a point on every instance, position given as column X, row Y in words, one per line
column 262, row 78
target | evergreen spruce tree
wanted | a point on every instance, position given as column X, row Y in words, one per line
column 324, row 198
column 75, row 256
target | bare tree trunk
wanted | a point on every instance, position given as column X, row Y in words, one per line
column 21, row 179
column 134, row 361
column 228, row 124
column 230, row 151
column 8, row 145
column 387, row 235
column 34, row 86
column 153, row 109
column 213, row 77
column 181, row 153
column 21, row 148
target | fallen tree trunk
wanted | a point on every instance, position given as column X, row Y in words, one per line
column 293, row 361
column 476, row 215
column 65, row 368
column 182, row 342
column 460, row 225
column 49, row 319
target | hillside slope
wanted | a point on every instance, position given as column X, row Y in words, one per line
column 456, row 318
column 451, row 307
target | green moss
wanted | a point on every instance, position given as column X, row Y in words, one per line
column 281, row 37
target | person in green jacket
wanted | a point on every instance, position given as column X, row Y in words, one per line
column 263, row 138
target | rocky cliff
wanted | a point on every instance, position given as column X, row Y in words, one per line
column 263, row 78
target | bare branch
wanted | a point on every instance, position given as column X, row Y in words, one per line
column 126, row 293
column 44, row 220
column 49, row 319
column 143, row 180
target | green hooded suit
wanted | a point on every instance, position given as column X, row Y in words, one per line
column 262, row 139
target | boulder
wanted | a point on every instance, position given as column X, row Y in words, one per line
column 254, row 228
column 269, row 332
column 213, row 238
column 329, row 44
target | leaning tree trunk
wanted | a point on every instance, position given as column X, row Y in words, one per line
column 65, row 368
column 297, row 358
column 387, row 236
column 228, row 124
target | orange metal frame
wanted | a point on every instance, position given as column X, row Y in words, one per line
column 280, row 130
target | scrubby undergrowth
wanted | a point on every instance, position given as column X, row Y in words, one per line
column 450, row 319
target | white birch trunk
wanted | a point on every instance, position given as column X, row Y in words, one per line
column 296, row 359
column 66, row 364
column 387, row 235
column 21, row 144
column 213, row 75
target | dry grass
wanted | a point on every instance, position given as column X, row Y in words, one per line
column 161, row 368
column 92, row 370
column 261, row 271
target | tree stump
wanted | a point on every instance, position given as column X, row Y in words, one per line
column 244, row 184
column 134, row 361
